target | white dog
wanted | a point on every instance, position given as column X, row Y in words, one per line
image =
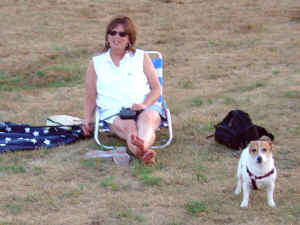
column 256, row 170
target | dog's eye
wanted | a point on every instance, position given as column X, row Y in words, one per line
column 264, row 150
column 253, row 150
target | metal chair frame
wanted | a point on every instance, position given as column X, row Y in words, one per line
column 100, row 125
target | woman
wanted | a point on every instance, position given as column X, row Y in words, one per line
column 122, row 76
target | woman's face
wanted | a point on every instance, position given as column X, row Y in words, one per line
column 118, row 38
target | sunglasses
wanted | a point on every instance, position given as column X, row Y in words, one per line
column 121, row 34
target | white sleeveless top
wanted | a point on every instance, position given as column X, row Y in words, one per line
column 120, row 86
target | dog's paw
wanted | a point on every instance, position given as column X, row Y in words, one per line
column 237, row 191
column 244, row 204
column 272, row 204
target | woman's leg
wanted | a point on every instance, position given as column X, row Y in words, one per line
column 125, row 129
column 139, row 135
column 148, row 122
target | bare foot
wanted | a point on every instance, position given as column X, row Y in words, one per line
column 146, row 155
column 139, row 143
column 149, row 157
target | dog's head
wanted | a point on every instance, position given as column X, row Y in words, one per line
column 261, row 150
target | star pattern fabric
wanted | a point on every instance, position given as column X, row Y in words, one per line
column 14, row 137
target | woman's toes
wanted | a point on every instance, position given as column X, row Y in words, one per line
column 149, row 157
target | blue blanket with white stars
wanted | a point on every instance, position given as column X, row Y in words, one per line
column 14, row 137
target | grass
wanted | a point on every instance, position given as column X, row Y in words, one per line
column 276, row 72
column 37, row 171
column 9, row 223
column 150, row 180
column 143, row 173
column 109, row 182
column 295, row 131
column 217, row 57
column 195, row 207
column 9, row 82
column 186, row 84
column 257, row 84
column 14, row 208
column 73, row 194
column 197, row 101
column 32, row 197
column 228, row 100
column 91, row 163
column 200, row 174
column 292, row 94
column 128, row 215
column 12, row 168
column 54, row 76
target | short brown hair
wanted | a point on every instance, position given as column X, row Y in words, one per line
column 129, row 27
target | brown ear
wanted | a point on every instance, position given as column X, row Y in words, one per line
column 267, row 139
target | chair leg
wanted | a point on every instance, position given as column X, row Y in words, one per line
column 96, row 132
column 170, row 130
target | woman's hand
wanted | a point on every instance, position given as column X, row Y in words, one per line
column 138, row 107
column 87, row 127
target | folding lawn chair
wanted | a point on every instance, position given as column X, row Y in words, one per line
column 101, row 126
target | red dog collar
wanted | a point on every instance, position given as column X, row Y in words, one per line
column 254, row 178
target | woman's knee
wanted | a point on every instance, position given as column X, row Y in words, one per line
column 125, row 126
column 150, row 117
column 130, row 127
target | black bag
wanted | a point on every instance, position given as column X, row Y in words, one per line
column 128, row 113
column 236, row 130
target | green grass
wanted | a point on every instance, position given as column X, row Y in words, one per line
column 9, row 82
column 124, row 214
column 175, row 224
column 250, row 87
column 186, row 84
column 90, row 163
column 230, row 44
column 109, row 182
column 210, row 101
column 295, row 130
column 3, row 75
column 200, row 174
column 142, row 172
column 60, row 75
column 235, row 60
column 14, row 207
column 11, row 223
column 37, row 171
column 292, row 94
column 197, row 101
column 195, row 207
column 12, row 169
column 228, row 100
column 150, row 180
column 140, row 169
column 128, row 215
column 32, row 197
column 53, row 76
column 75, row 193
column 40, row 73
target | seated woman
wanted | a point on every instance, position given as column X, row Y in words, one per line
column 122, row 76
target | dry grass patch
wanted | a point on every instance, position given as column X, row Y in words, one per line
column 218, row 56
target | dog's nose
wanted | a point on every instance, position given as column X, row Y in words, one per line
column 259, row 159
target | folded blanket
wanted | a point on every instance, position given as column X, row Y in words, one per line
column 14, row 137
